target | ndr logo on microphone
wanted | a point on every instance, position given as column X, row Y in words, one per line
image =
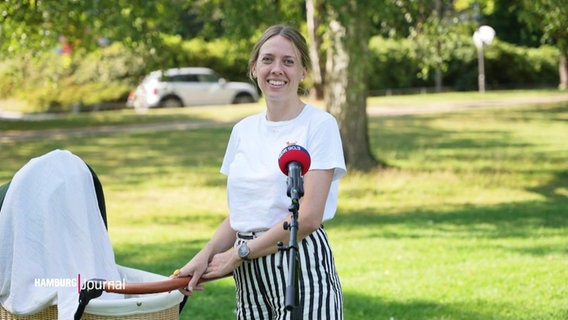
column 292, row 147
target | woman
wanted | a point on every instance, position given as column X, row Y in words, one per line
column 246, row 242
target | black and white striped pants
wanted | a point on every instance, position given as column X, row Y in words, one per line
column 261, row 283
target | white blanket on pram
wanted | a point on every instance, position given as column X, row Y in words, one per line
column 52, row 234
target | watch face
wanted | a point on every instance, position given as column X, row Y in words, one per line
column 244, row 251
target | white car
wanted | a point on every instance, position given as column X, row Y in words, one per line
column 180, row 87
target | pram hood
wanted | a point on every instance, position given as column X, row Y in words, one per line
column 52, row 236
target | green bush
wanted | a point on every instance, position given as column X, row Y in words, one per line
column 226, row 58
column 394, row 65
column 508, row 65
column 34, row 78
column 51, row 82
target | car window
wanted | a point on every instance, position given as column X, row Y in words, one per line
column 208, row 78
column 182, row 78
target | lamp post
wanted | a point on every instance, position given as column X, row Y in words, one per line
column 481, row 37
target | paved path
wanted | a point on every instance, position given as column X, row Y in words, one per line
column 451, row 107
column 27, row 135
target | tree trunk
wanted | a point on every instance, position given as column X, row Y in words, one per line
column 346, row 85
column 563, row 69
column 314, row 9
column 438, row 79
column 438, row 75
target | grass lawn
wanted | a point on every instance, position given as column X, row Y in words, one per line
column 469, row 222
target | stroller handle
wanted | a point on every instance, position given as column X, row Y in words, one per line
column 152, row 287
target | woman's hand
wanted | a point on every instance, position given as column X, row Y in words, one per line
column 222, row 240
column 222, row 264
column 195, row 269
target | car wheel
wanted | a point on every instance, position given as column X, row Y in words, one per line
column 243, row 98
column 171, row 102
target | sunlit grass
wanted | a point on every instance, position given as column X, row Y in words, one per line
column 468, row 222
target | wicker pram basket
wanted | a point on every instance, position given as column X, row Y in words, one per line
column 50, row 313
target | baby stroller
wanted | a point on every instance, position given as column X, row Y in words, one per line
column 53, row 236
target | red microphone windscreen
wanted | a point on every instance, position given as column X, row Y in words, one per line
column 294, row 153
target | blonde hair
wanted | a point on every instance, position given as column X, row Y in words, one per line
column 289, row 33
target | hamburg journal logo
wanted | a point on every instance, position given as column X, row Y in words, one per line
column 76, row 283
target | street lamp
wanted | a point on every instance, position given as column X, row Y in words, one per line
column 482, row 37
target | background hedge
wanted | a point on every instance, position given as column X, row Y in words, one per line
column 58, row 83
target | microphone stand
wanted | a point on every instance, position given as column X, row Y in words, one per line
column 292, row 300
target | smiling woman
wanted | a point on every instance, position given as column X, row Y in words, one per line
column 246, row 242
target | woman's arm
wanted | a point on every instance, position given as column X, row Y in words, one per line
column 316, row 188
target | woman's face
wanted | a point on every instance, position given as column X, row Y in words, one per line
column 278, row 69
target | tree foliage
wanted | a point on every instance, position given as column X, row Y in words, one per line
column 36, row 25
column 437, row 35
column 549, row 16
column 509, row 26
column 238, row 19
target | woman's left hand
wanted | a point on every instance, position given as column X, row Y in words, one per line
column 222, row 264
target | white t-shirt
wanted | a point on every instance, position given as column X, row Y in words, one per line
column 256, row 188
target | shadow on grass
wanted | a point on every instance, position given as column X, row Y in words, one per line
column 556, row 189
column 423, row 136
column 513, row 220
column 358, row 306
column 133, row 158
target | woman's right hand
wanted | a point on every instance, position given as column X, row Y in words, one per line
column 194, row 269
column 222, row 240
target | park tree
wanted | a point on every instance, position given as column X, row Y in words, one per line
column 347, row 38
column 549, row 17
column 348, row 26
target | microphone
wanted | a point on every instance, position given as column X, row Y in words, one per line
column 294, row 161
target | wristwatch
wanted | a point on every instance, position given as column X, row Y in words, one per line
column 244, row 251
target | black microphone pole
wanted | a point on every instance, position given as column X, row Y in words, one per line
column 295, row 192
